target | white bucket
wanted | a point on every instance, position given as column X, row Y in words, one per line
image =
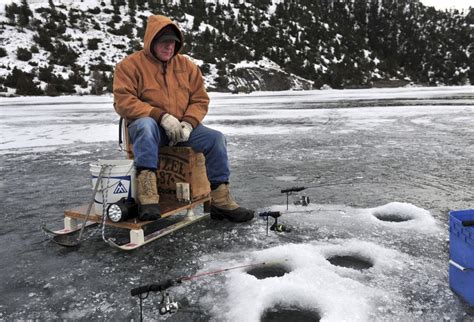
column 118, row 181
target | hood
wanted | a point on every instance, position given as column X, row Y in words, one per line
column 154, row 25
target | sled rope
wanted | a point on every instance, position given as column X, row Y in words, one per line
column 105, row 193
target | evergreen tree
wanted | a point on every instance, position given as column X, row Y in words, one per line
column 141, row 4
column 22, row 82
column 11, row 11
column 153, row 5
column 134, row 45
column 63, row 55
column 97, row 83
column 26, row 86
column 45, row 74
column 76, row 76
column 24, row 14
column 23, row 54
column 132, row 10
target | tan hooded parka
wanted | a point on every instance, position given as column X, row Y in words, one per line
column 145, row 86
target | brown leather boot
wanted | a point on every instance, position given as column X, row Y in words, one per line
column 224, row 206
column 148, row 197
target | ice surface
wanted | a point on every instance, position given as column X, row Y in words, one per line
column 364, row 155
column 38, row 122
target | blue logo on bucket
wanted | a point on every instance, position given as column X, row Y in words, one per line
column 120, row 188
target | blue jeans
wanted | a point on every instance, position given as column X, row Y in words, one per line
column 147, row 136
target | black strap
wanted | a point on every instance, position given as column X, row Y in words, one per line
column 120, row 132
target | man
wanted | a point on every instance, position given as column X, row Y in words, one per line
column 161, row 95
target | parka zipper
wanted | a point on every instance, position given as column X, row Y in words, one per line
column 165, row 66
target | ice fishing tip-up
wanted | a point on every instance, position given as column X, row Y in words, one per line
column 276, row 226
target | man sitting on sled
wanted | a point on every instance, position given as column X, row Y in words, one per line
column 161, row 95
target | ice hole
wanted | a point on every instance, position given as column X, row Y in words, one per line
column 391, row 217
column 353, row 262
column 267, row 271
column 285, row 314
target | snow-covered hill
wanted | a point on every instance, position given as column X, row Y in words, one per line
column 71, row 46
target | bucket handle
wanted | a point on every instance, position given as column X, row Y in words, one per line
column 120, row 140
column 459, row 266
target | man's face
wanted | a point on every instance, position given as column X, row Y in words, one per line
column 164, row 50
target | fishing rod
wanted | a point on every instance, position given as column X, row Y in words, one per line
column 167, row 303
column 304, row 200
column 301, row 188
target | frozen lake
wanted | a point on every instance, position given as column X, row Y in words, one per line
column 404, row 153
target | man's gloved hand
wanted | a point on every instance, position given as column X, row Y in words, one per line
column 172, row 128
column 186, row 130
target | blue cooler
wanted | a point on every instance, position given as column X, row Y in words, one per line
column 461, row 249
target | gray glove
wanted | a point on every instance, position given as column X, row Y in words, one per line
column 172, row 128
column 186, row 130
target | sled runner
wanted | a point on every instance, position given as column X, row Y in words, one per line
column 182, row 186
column 69, row 227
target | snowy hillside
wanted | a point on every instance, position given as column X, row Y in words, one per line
column 65, row 47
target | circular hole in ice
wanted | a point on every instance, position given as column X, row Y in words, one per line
column 267, row 271
column 285, row 314
column 391, row 217
column 353, row 262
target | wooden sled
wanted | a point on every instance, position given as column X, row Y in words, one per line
column 177, row 165
column 169, row 207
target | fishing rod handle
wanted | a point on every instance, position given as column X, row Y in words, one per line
column 273, row 214
column 153, row 287
column 292, row 189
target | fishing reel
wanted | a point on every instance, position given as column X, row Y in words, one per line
column 303, row 201
column 276, row 227
column 167, row 304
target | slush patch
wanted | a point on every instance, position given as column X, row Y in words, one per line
column 120, row 188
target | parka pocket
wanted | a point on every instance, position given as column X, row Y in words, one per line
column 184, row 89
column 183, row 80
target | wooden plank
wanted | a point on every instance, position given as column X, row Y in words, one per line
column 159, row 233
column 168, row 208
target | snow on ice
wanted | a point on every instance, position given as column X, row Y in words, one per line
column 312, row 283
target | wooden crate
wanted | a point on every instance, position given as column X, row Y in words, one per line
column 182, row 164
